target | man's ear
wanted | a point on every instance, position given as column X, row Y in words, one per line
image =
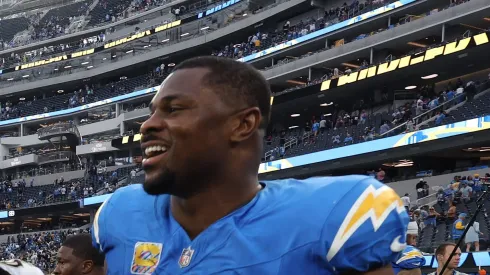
column 245, row 124
column 87, row 267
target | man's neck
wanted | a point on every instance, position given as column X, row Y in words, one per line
column 197, row 213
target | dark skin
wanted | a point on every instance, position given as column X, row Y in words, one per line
column 69, row 264
column 212, row 156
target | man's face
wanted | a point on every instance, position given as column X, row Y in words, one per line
column 185, row 136
column 455, row 260
column 67, row 264
column 412, row 240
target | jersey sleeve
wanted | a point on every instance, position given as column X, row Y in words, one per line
column 100, row 236
column 366, row 227
column 411, row 258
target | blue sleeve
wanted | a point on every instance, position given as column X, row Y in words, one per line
column 411, row 258
column 100, row 236
column 366, row 228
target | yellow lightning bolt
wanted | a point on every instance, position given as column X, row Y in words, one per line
column 378, row 203
column 410, row 255
column 374, row 204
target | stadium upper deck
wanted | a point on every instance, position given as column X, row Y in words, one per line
column 77, row 68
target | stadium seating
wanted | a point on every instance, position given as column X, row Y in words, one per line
column 106, row 9
column 10, row 27
column 55, row 20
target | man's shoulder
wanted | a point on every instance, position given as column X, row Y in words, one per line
column 323, row 194
column 332, row 187
column 132, row 198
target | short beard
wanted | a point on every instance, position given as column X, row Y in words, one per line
column 163, row 184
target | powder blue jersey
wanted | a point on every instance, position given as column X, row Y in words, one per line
column 324, row 225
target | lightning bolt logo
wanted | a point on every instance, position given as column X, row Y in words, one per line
column 414, row 254
column 374, row 204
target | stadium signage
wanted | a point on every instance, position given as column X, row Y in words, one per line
column 218, row 8
column 126, row 39
column 406, row 61
column 99, row 147
column 41, row 62
column 15, row 162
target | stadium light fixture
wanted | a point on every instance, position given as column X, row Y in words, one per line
column 430, row 76
column 410, row 87
column 10, row 79
column 184, row 34
column 204, row 28
column 85, row 63
column 292, row 127
column 326, row 104
column 295, row 115
column 90, row 67
column 24, row 76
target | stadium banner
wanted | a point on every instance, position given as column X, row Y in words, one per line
column 327, row 30
column 439, row 132
column 41, row 211
column 96, row 147
column 407, row 61
column 124, row 40
column 30, row 159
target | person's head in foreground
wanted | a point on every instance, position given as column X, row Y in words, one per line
column 207, row 122
column 18, row 267
column 77, row 256
column 442, row 255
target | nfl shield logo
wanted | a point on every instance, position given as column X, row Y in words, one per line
column 186, row 257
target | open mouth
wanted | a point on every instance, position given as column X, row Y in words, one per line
column 152, row 151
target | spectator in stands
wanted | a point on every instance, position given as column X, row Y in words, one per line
column 466, row 192
column 431, row 219
column 442, row 254
column 422, row 189
column 406, row 201
column 451, row 213
column 77, row 256
column 473, row 237
column 348, row 139
column 458, row 227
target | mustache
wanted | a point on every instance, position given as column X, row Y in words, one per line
column 148, row 137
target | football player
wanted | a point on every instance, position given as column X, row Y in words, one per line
column 77, row 256
column 202, row 209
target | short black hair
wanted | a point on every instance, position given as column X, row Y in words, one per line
column 235, row 82
column 441, row 249
column 83, row 249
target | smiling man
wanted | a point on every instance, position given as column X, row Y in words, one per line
column 202, row 209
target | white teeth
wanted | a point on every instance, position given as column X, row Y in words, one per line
column 156, row 148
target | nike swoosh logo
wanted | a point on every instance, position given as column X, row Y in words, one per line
column 396, row 246
column 416, row 263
